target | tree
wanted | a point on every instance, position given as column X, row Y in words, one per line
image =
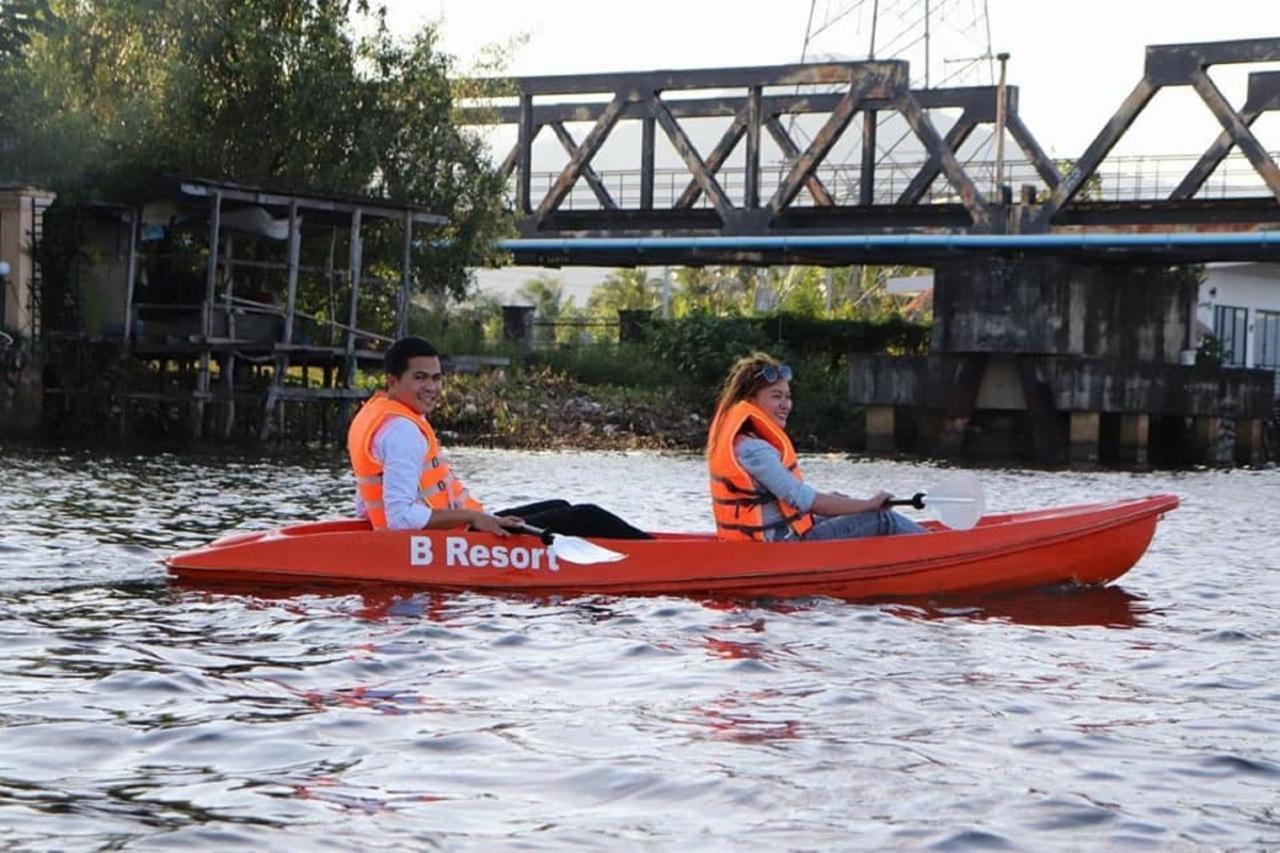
column 546, row 292
column 712, row 290
column 627, row 289
column 103, row 96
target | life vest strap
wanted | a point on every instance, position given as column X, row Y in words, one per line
column 760, row 499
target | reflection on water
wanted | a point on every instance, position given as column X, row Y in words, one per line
column 135, row 711
column 1106, row 606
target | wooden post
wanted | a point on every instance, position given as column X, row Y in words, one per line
column 1135, row 438
column 880, row 429
column 206, row 317
column 402, row 306
column 1083, row 443
column 228, row 361
column 281, row 366
column 126, row 344
column 355, row 267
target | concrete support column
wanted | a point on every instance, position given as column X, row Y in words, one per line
column 1205, row 438
column 1211, row 446
column 517, row 325
column 951, row 435
column 1135, row 437
column 880, row 429
column 1083, row 442
column 1249, row 449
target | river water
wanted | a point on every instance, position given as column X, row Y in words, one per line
column 139, row 714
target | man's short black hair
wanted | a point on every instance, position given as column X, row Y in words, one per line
column 396, row 359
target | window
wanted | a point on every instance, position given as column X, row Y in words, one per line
column 1266, row 336
column 1231, row 328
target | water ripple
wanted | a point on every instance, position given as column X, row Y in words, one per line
column 136, row 712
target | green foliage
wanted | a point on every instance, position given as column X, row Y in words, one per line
column 546, row 293
column 854, row 293
column 103, row 96
column 712, row 290
column 470, row 328
column 626, row 289
column 625, row 365
column 701, row 346
column 1210, row 352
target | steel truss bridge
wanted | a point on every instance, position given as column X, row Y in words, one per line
column 810, row 206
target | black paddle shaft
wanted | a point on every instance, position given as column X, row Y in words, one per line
column 916, row 501
column 541, row 532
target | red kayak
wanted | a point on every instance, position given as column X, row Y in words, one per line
column 1083, row 544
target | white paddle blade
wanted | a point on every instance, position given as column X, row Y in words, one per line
column 957, row 500
column 572, row 549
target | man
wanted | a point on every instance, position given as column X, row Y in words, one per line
column 402, row 481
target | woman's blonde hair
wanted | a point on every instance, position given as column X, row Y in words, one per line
column 745, row 380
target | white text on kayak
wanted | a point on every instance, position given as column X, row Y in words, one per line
column 459, row 551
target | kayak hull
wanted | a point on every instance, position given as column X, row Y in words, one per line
column 1085, row 544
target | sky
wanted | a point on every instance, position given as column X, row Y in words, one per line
column 1074, row 62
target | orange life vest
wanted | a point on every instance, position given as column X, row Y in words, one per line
column 437, row 487
column 737, row 502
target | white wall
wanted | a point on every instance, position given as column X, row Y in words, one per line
column 1242, row 285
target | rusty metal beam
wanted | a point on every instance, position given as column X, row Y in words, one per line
column 1239, row 130
column 567, row 178
column 830, row 131
column 692, row 160
column 791, row 151
column 978, row 100
column 728, row 141
column 956, row 176
column 646, row 162
column 1095, row 153
column 1176, row 64
column 1263, row 96
column 751, row 192
column 956, row 136
column 1044, row 167
column 524, row 156
column 867, row 170
column 588, row 173
column 801, row 74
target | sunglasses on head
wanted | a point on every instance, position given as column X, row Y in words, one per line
column 772, row 374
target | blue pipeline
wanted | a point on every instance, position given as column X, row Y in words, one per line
column 1173, row 240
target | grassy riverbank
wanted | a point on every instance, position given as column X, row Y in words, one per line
column 545, row 408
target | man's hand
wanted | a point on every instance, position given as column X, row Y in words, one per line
column 498, row 525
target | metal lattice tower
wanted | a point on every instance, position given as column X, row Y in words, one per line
column 947, row 42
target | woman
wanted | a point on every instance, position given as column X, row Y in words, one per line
column 757, row 490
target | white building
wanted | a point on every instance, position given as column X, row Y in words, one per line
column 1240, row 304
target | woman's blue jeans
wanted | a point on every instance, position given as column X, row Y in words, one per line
column 859, row 524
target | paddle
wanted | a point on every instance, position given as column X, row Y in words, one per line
column 573, row 549
column 957, row 500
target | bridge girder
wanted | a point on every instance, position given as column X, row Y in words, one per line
column 759, row 101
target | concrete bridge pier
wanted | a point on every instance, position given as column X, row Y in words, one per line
column 1056, row 360
column 1250, row 448
column 1133, row 446
column 1085, row 432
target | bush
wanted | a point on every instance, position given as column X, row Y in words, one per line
column 703, row 346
